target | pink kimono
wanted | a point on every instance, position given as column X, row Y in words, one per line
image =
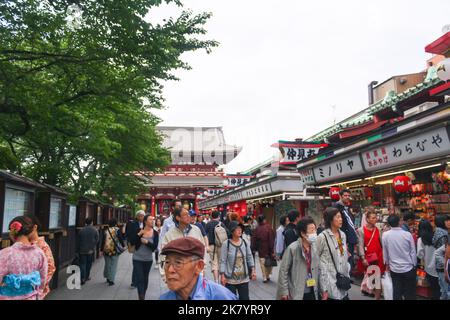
column 24, row 259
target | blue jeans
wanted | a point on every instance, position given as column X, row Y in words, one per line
column 445, row 287
column 85, row 266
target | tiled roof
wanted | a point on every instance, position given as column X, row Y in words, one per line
column 367, row 114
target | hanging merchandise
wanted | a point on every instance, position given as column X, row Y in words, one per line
column 334, row 193
column 402, row 183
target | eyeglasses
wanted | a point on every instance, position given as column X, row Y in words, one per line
column 178, row 264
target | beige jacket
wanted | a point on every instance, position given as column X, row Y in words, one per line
column 175, row 233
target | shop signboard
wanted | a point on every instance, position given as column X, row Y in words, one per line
column 237, row 180
column 335, row 170
column 257, row 191
column 307, row 176
column 422, row 146
column 294, row 151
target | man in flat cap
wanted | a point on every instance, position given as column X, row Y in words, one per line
column 183, row 268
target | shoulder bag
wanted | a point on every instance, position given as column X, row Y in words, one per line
column 342, row 282
column 119, row 248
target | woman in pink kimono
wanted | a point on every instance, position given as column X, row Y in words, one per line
column 23, row 266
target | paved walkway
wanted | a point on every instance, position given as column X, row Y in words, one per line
column 98, row 289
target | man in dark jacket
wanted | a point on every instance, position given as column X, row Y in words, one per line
column 263, row 240
column 290, row 231
column 348, row 223
column 87, row 241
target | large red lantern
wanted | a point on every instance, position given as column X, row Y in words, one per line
column 334, row 193
column 402, row 183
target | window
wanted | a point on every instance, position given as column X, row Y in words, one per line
column 55, row 213
column 17, row 203
column 72, row 215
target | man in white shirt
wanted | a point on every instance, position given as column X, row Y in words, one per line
column 168, row 223
column 399, row 253
column 279, row 240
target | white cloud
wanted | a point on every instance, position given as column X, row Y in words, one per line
column 282, row 65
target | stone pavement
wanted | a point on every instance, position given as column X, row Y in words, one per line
column 98, row 289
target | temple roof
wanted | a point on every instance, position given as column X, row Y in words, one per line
column 186, row 141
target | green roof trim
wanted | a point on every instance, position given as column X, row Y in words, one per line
column 367, row 114
column 374, row 138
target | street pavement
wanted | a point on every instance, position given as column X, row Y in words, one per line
column 98, row 289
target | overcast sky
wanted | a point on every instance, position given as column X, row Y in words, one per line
column 282, row 65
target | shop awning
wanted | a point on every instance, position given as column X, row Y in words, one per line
column 414, row 142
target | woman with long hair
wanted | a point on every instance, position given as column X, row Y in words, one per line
column 143, row 256
column 23, row 266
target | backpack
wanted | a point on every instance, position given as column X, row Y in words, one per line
column 220, row 235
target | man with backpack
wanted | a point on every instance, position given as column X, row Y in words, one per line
column 217, row 235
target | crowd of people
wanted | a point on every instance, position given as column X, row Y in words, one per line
column 316, row 261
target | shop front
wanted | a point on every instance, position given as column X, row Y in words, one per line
column 270, row 196
column 403, row 168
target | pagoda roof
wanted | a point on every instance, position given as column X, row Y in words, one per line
column 196, row 141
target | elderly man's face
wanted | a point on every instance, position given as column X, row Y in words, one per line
column 140, row 217
column 181, row 271
column 184, row 217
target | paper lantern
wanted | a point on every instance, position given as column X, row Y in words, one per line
column 443, row 70
column 402, row 183
column 334, row 193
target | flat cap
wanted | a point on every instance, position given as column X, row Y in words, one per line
column 186, row 246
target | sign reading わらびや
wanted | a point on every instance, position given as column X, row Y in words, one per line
column 420, row 147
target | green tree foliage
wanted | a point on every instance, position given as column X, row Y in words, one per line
column 75, row 102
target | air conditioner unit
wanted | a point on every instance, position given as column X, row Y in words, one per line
column 420, row 108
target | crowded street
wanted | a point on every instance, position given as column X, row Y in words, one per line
column 232, row 150
column 97, row 288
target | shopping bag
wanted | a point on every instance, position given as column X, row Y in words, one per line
column 386, row 283
column 364, row 284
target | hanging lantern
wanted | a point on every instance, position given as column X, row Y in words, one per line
column 334, row 193
column 402, row 183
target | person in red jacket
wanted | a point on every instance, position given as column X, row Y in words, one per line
column 262, row 241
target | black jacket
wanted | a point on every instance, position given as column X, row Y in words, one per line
column 132, row 230
column 350, row 233
column 290, row 234
column 210, row 231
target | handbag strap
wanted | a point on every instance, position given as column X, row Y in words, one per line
column 331, row 253
column 114, row 241
column 371, row 238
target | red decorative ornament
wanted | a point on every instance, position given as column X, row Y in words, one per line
column 334, row 193
column 402, row 183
